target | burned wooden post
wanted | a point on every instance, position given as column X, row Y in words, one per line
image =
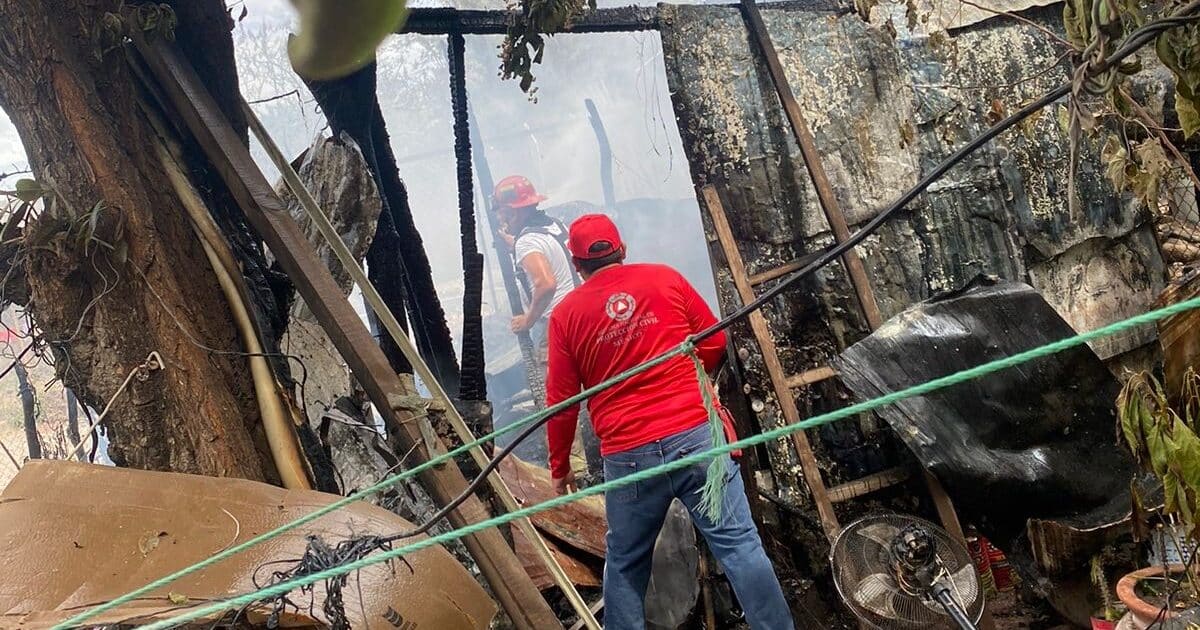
column 606, row 158
column 28, row 408
column 73, row 421
column 472, row 386
column 397, row 258
column 504, row 259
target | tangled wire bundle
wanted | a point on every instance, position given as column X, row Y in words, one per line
column 319, row 556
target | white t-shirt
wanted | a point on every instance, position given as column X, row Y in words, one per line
column 559, row 265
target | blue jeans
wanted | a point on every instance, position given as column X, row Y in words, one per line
column 636, row 512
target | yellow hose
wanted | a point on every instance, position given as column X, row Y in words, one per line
column 281, row 433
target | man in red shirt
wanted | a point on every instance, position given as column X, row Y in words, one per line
column 621, row 316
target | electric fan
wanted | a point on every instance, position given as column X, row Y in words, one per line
column 897, row 572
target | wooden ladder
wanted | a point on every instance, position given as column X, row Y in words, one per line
column 824, row 497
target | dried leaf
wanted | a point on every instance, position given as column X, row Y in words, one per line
column 1188, row 110
column 1116, row 160
column 149, row 542
column 1075, row 19
column 995, row 112
column 1152, row 165
column 911, row 14
column 1064, row 119
column 177, row 599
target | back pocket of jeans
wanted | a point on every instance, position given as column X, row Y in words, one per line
column 618, row 470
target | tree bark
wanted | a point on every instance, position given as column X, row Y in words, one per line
column 104, row 307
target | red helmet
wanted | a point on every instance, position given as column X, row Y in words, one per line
column 515, row 191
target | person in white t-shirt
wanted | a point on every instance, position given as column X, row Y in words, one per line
column 543, row 266
column 540, row 252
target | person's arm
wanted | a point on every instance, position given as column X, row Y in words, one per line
column 562, row 382
column 700, row 317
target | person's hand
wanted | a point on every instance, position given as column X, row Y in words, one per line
column 566, row 485
column 521, row 324
column 508, row 238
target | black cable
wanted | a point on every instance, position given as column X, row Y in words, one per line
column 17, row 360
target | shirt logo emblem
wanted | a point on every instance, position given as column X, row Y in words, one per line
column 620, row 306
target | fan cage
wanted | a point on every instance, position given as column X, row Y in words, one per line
column 864, row 578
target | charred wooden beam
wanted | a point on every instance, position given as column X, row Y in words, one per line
column 606, row 158
column 472, row 383
column 441, row 21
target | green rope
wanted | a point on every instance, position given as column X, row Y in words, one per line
column 308, row 518
column 696, row 458
column 712, row 495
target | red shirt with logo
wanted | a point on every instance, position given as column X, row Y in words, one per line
column 621, row 317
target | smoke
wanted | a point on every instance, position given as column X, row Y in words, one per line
column 550, row 141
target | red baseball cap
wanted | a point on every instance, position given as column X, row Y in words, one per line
column 589, row 230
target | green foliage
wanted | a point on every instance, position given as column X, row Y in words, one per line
column 114, row 27
column 338, row 37
column 63, row 228
column 28, row 190
column 1179, row 50
column 1163, row 441
column 525, row 42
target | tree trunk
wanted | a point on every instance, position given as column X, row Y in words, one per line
column 32, row 440
column 136, row 281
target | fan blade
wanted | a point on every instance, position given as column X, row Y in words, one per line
column 876, row 593
column 881, row 533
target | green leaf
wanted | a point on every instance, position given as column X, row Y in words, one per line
column 29, row 190
column 1186, row 456
column 1159, row 447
